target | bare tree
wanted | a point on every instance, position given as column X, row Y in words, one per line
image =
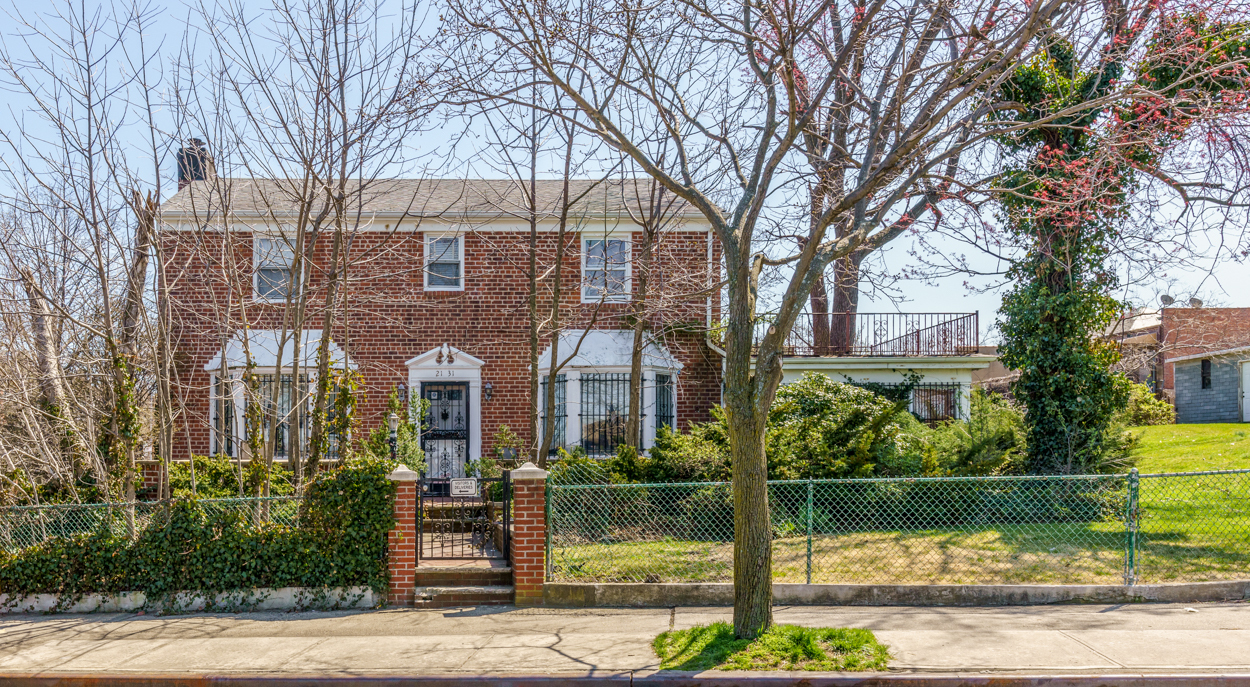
column 734, row 91
column 319, row 133
column 82, row 172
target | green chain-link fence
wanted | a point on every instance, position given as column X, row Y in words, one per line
column 1077, row 529
column 23, row 526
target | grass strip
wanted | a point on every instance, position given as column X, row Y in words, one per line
column 782, row 647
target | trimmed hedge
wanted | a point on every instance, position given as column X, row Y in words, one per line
column 340, row 542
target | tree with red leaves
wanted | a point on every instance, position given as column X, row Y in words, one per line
column 1070, row 196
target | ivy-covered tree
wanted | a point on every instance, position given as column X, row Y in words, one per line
column 1070, row 192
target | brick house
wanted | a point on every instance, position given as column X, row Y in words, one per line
column 1198, row 358
column 435, row 305
column 1205, row 363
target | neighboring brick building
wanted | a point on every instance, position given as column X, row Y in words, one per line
column 1198, row 358
column 435, row 303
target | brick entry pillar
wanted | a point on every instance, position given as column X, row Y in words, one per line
column 529, row 533
column 401, row 541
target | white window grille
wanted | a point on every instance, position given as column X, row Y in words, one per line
column 444, row 263
column 605, row 269
column 272, row 259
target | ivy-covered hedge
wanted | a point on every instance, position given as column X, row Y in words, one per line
column 340, row 541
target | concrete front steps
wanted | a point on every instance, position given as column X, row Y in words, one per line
column 448, row 584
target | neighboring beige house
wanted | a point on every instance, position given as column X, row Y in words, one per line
column 883, row 348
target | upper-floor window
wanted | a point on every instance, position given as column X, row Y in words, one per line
column 605, row 269
column 272, row 259
column 1206, row 374
column 444, row 263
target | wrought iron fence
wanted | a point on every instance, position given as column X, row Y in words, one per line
column 1107, row 529
column 879, row 334
column 24, row 526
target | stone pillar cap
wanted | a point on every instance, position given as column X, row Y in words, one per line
column 529, row 471
column 401, row 473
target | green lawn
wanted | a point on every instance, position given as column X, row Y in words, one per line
column 1191, row 529
column 781, row 647
column 1192, row 448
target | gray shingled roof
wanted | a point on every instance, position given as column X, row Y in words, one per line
column 485, row 198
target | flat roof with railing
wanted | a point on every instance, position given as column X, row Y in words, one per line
column 879, row 335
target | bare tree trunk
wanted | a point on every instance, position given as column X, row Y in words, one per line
column 821, row 342
column 845, row 302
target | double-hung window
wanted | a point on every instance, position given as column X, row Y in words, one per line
column 272, row 259
column 444, row 263
column 605, row 269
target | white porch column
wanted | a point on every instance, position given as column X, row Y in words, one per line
column 647, row 416
column 572, row 408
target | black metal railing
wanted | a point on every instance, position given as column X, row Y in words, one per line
column 936, row 401
column 559, row 411
column 878, row 334
column 605, row 411
column 664, row 401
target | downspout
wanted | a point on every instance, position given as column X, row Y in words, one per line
column 707, row 329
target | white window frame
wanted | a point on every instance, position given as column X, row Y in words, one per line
column 628, row 286
column 260, row 262
column 428, row 240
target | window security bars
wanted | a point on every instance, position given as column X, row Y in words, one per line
column 929, row 401
column 25, row 526
column 223, row 418
column 224, row 422
column 560, row 413
column 664, row 405
column 1084, row 529
column 878, row 334
column 605, row 410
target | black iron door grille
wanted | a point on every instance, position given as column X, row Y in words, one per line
column 464, row 525
column 445, row 436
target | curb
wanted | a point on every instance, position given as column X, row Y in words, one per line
column 668, row 594
column 640, row 679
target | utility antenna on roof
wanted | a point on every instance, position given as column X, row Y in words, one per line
column 1166, row 300
column 1195, row 302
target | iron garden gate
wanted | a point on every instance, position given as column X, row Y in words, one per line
column 464, row 517
column 458, row 515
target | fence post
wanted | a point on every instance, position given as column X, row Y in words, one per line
column 1131, row 527
column 529, row 536
column 401, row 541
column 809, row 531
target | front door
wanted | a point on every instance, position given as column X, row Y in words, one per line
column 445, row 437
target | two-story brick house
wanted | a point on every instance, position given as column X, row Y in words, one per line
column 435, row 303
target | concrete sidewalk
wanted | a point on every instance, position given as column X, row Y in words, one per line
column 1033, row 640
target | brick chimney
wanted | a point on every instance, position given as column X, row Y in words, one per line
column 194, row 163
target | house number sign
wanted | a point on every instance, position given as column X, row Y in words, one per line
column 464, row 487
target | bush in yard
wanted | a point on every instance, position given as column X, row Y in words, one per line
column 990, row 442
column 340, row 541
column 819, row 428
column 1144, row 409
column 217, row 477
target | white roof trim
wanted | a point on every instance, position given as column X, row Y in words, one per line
column 458, row 358
column 605, row 349
column 1212, row 354
column 263, row 345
